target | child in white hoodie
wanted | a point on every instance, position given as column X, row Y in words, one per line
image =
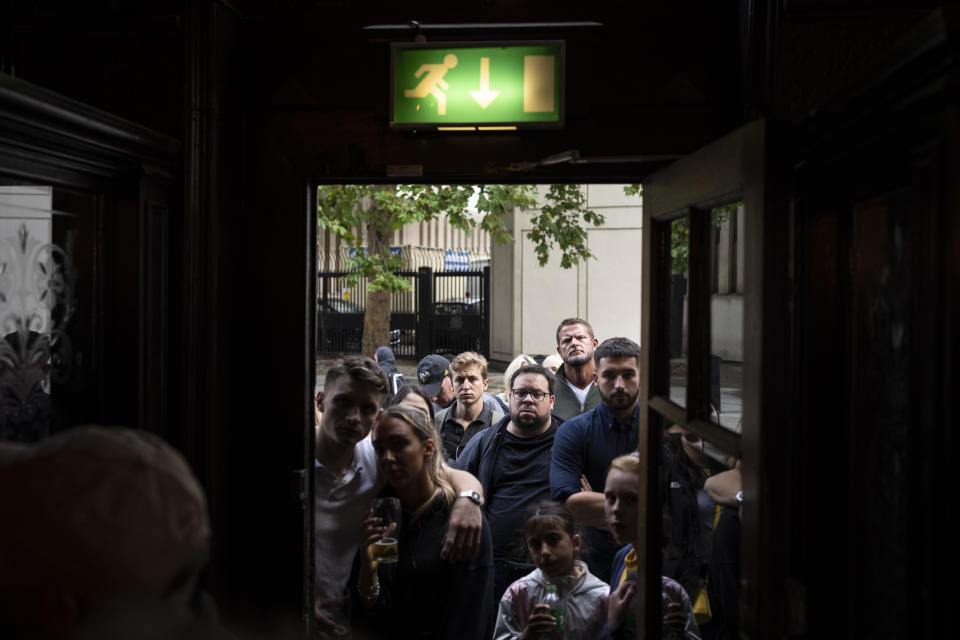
column 551, row 538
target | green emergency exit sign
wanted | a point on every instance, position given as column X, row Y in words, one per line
column 477, row 86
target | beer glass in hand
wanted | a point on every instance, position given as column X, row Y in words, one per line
column 387, row 510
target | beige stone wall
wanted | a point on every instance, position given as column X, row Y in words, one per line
column 726, row 304
column 529, row 301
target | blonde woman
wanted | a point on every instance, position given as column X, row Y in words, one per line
column 423, row 595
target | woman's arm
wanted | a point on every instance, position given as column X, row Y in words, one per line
column 586, row 507
column 368, row 583
column 723, row 487
column 463, row 529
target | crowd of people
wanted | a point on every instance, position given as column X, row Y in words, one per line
column 518, row 510
column 516, row 514
column 510, row 516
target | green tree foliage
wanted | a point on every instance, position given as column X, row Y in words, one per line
column 680, row 229
column 559, row 224
column 680, row 235
column 365, row 217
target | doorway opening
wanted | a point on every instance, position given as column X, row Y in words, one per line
column 467, row 292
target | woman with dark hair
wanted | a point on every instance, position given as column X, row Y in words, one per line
column 415, row 396
column 421, row 595
column 684, row 470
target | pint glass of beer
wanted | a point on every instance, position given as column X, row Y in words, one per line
column 388, row 510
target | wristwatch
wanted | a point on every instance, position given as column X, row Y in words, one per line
column 472, row 496
column 740, row 496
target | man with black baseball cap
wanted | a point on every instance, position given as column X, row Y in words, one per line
column 433, row 374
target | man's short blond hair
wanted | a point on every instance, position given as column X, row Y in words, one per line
column 470, row 359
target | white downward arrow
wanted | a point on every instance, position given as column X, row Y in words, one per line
column 484, row 97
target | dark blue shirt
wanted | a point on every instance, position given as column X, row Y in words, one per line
column 587, row 444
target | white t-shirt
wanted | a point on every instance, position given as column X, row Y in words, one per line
column 340, row 507
column 580, row 393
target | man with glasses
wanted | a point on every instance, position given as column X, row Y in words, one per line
column 512, row 462
column 588, row 443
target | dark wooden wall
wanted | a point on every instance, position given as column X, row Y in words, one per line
column 873, row 218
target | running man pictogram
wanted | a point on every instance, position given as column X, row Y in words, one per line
column 433, row 83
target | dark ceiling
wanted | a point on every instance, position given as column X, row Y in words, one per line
column 654, row 80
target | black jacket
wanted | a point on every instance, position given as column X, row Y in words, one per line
column 422, row 596
column 489, row 441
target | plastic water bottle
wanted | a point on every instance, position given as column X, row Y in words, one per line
column 554, row 608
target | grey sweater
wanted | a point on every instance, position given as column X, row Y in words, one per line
column 567, row 405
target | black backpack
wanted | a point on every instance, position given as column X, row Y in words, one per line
column 396, row 380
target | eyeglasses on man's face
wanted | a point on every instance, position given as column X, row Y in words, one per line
column 536, row 394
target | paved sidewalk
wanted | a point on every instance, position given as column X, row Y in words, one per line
column 731, row 391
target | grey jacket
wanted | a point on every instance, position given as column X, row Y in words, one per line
column 584, row 604
column 567, row 405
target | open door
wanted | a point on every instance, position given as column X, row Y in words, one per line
column 715, row 341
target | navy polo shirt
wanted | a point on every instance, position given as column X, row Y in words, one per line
column 587, row 444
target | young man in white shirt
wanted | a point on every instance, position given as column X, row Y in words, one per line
column 347, row 481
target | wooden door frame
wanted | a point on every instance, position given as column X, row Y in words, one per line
column 737, row 166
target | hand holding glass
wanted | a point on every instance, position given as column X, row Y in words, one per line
column 388, row 510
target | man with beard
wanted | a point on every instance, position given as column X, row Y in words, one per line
column 575, row 390
column 585, row 446
column 512, row 462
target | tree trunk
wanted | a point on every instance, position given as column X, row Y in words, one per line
column 376, row 322
column 376, row 319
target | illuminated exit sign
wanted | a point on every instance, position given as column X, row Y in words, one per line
column 477, row 86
